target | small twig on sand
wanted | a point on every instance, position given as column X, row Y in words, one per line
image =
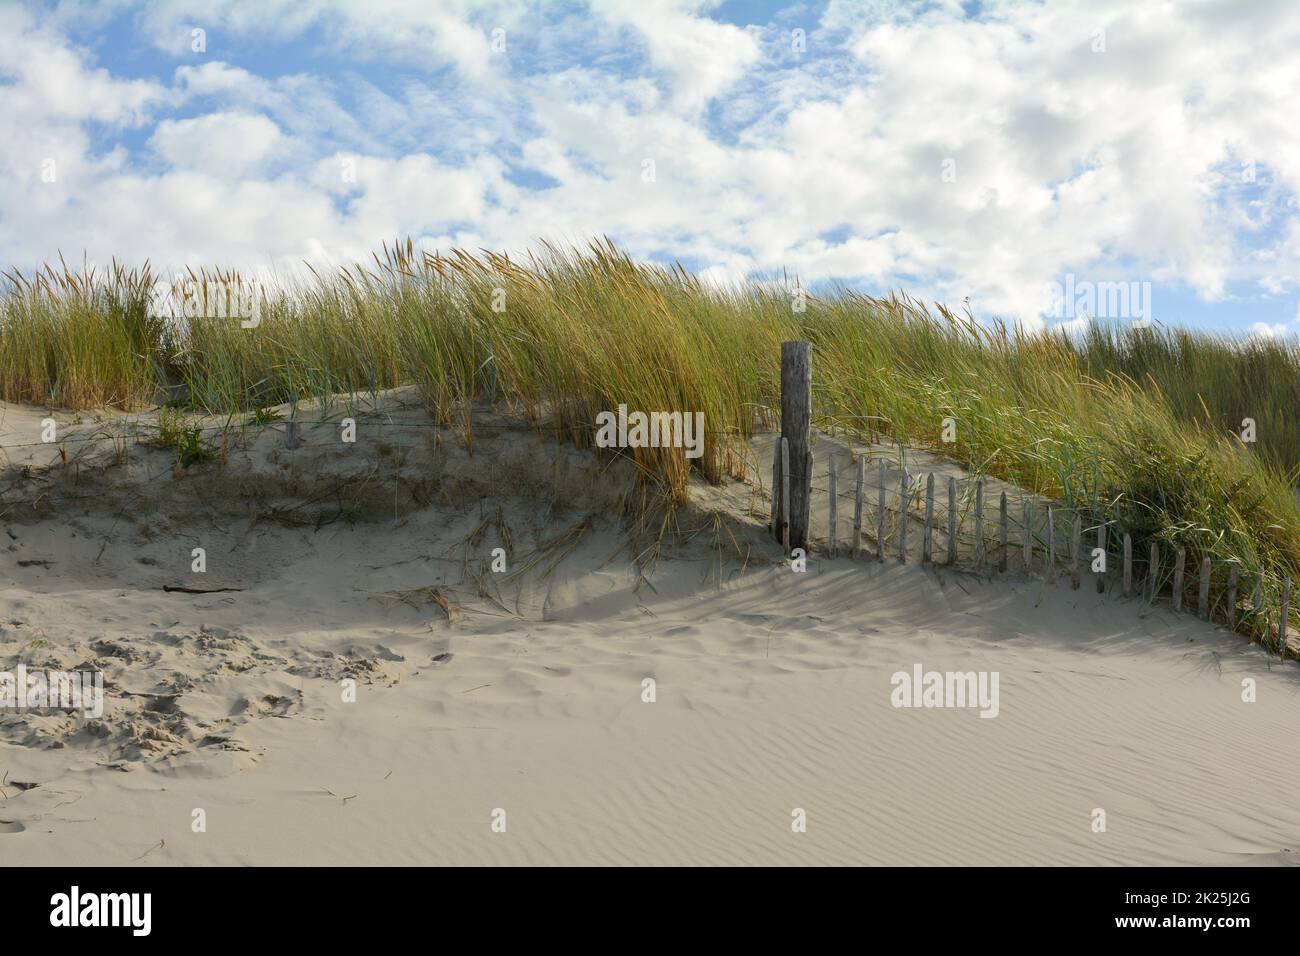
column 159, row 846
column 183, row 590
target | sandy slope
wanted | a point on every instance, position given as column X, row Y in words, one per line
column 773, row 688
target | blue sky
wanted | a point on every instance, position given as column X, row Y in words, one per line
column 964, row 152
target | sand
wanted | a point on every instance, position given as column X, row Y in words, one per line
column 478, row 693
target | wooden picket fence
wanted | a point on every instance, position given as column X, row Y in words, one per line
column 1051, row 541
column 1048, row 540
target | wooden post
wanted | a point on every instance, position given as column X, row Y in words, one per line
column 832, row 519
column 857, row 505
column 979, row 525
column 1232, row 598
column 291, row 434
column 1153, row 571
column 1028, row 533
column 952, row 520
column 796, row 428
column 927, row 537
column 1180, row 559
column 785, row 494
column 1002, row 513
column 1076, row 547
column 880, row 518
column 1128, row 564
column 1051, row 543
column 904, row 502
column 1203, row 597
column 1281, row 621
column 1101, row 543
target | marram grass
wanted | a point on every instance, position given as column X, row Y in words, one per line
column 1139, row 425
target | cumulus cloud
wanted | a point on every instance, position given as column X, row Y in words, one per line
column 224, row 145
column 1265, row 330
column 700, row 57
column 966, row 158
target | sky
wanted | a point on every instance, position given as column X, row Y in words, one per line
column 978, row 154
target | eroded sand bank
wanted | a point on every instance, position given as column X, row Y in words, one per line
column 772, row 689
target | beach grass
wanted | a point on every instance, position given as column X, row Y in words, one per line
column 1139, row 426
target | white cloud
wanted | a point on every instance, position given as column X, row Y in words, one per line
column 701, row 57
column 417, row 33
column 224, row 145
column 1122, row 165
column 1263, row 330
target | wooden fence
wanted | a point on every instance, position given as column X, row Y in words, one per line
column 1053, row 541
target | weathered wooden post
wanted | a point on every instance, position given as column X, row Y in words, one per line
column 785, row 494
column 927, row 537
column 796, row 428
column 857, row 505
column 833, row 518
column 979, row 525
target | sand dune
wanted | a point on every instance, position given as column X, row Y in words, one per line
column 772, row 689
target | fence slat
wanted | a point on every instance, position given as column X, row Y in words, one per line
column 832, row 520
column 1153, row 572
column 776, row 490
column 904, row 501
column 952, row 520
column 1101, row 543
column 1128, row 564
column 880, row 518
column 979, row 525
column 927, row 537
column 1051, row 544
column 1002, row 516
column 1180, row 559
column 1256, row 602
column 1281, row 621
column 1076, row 547
column 1028, row 533
column 1232, row 598
column 857, row 505
column 1203, row 597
